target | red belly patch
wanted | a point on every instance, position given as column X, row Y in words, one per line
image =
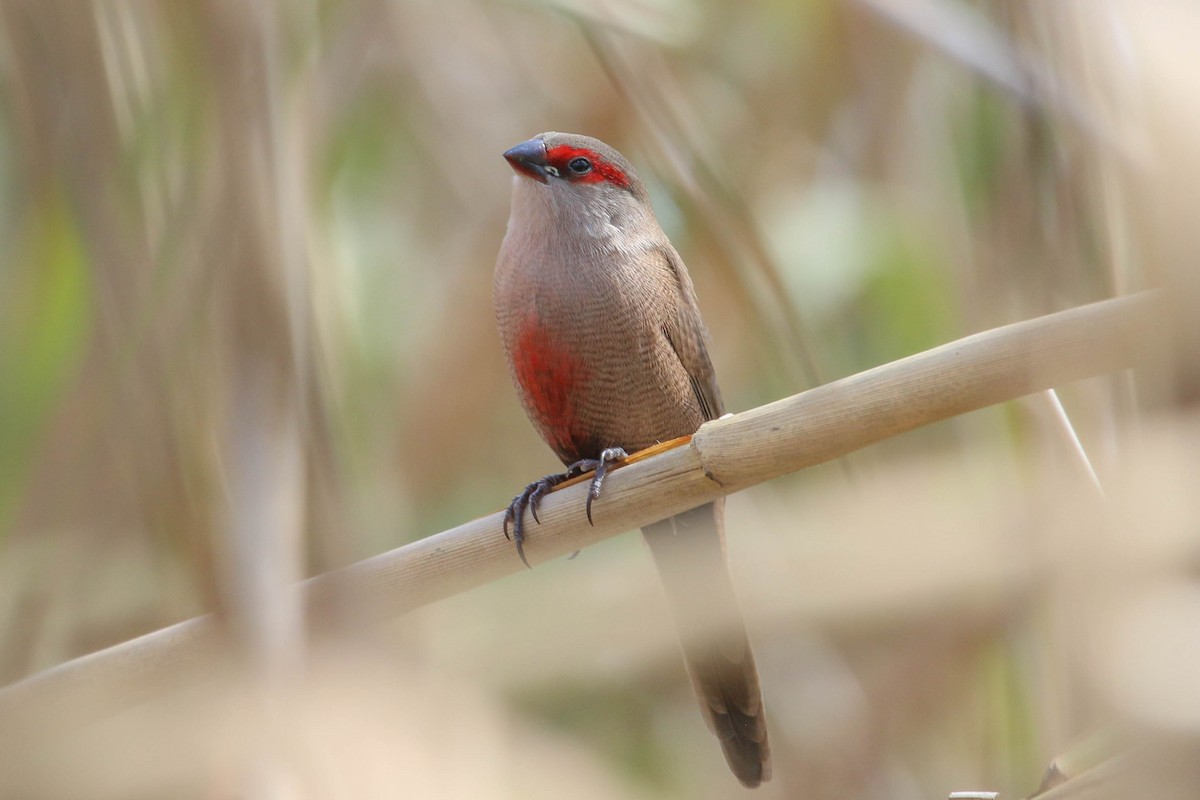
column 551, row 376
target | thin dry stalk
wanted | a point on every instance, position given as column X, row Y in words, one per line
column 722, row 457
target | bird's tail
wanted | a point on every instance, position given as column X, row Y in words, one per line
column 689, row 550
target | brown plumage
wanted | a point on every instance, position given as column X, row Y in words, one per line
column 606, row 347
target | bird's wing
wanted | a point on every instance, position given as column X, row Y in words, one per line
column 685, row 330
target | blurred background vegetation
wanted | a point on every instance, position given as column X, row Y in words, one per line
column 246, row 277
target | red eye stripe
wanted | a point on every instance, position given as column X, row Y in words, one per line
column 561, row 155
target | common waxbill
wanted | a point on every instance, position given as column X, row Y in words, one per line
column 606, row 348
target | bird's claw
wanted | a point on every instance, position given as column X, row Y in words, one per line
column 532, row 495
column 529, row 498
column 608, row 456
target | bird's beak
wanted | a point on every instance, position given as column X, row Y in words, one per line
column 529, row 159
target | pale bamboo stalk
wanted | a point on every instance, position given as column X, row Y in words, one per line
column 722, row 457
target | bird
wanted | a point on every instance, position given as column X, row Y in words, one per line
column 601, row 327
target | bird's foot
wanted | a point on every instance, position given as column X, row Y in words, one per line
column 529, row 498
column 532, row 494
column 609, row 456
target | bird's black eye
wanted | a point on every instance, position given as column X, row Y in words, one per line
column 580, row 165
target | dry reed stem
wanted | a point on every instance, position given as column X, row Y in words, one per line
column 724, row 456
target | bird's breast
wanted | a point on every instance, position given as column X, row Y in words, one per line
column 583, row 332
column 551, row 377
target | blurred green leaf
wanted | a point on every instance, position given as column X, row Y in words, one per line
column 906, row 304
column 45, row 317
column 982, row 138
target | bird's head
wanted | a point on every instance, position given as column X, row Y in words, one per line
column 577, row 177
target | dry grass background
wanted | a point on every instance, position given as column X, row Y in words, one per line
column 245, row 336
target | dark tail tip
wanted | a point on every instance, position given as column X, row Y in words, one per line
column 744, row 743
